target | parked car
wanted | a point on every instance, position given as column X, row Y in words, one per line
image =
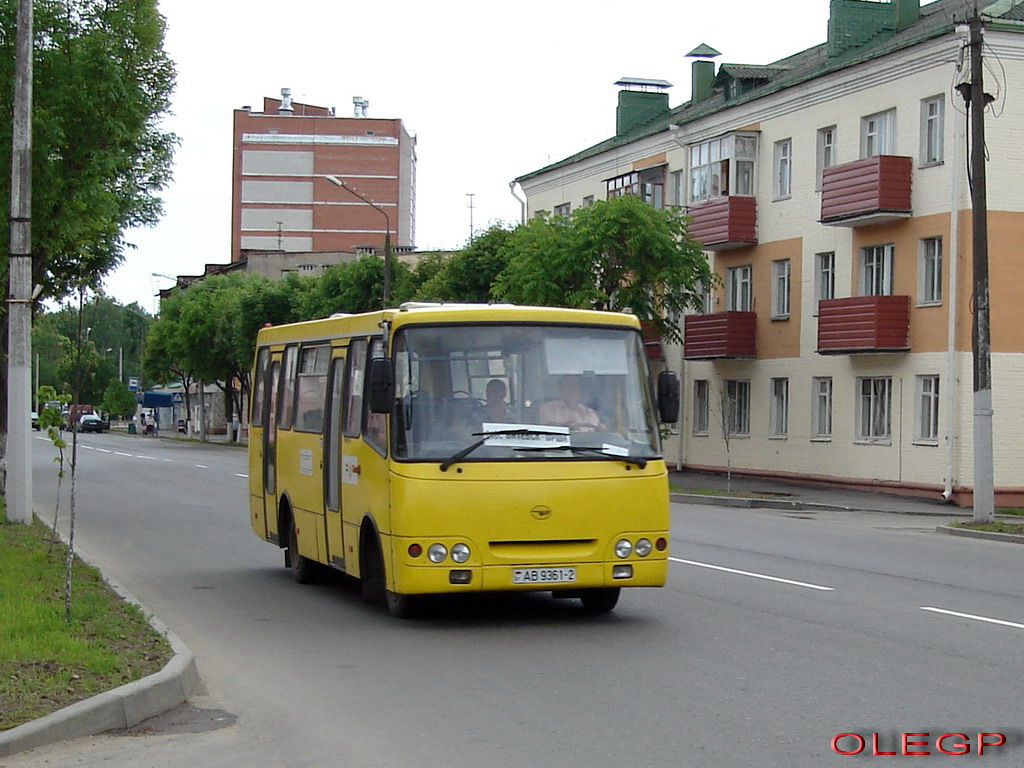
column 90, row 422
column 35, row 421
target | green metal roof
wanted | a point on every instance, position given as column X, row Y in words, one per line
column 936, row 19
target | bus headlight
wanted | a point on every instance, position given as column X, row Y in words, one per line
column 643, row 547
column 460, row 553
column 623, row 548
column 436, row 553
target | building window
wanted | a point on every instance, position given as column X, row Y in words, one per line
column 874, row 406
column 588, row 201
column 876, row 270
column 780, row 288
column 927, row 416
column 722, row 167
column 779, row 417
column 701, row 406
column 783, row 168
column 826, row 152
column 562, row 211
column 930, row 271
column 878, row 134
column 737, row 407
column 679, row 188
column 738, row 296
column 933, row 113
column 821, row 407
column 648, row 185
column 825, row 275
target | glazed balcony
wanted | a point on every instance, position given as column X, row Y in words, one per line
column 723, row 223
column 869, row 191
column 721, row 335
column 864, row 324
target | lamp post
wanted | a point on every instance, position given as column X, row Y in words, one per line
column 120, row 362
column 387, row 235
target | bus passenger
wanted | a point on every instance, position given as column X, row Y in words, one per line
column 495, row 406
column 568, row 411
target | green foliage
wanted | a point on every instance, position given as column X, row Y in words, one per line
column 118, row 400
column 356, row 286
column 102, row 82
column 468, row 275
column 614, row 255
column 51, row 418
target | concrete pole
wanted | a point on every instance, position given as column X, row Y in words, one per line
column 984, row 485
column 202, row 411
column 19, row 301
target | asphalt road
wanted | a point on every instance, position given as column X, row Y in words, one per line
column 777, row 632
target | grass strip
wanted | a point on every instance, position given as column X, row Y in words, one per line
column 996, row 526
column 47, row 663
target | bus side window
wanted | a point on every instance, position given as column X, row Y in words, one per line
column 258, row 382
column 287, row 409
column 375, row 424
column 354, row 376
column 311, row 388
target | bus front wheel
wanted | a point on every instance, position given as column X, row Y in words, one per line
column 403, row 606
column 600, row 600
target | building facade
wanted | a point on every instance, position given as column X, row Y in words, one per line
column 283, row 197
column 830, row 192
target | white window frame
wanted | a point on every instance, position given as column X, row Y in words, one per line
column 876, row 263
column 737, row 407
column 821, row 408
column 562, row 210
column 825, row 275
column 722, row 167
column 933, row 118
column 739, row 288
column 874, row 409
column 701, row 406
column 929, row 271
column 783, row 187
column 780, row 289
column 926, row 410
column 678, row 187
column 778, row 418
column 878, row 134
column 825, row 155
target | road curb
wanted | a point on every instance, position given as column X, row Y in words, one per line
column 758, row 503
column 1010, row 538
column 122, row 707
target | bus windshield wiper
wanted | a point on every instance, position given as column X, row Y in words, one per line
column 484, row 436
column 594, row 451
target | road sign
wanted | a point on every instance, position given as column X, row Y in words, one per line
column 177, row 398
column 133, row 383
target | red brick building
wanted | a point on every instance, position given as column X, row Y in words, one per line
column 283, row 198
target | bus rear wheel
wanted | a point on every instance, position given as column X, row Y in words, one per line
column 304, row 570
column 600, row 600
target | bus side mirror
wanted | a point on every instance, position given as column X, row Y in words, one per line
column 668, row 397
column 382, row 385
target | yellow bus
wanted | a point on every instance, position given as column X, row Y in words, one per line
column 454, row 448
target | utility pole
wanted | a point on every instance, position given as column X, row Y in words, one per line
column 19, row 297
column 984, row 487
column 470, row 195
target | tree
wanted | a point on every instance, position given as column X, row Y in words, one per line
column 614, row 255
column 355, row 286
column 118, row 400
column 469, row 274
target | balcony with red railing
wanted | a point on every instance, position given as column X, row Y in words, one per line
column 723, row 223
column 869, row 191
column 721, row 335
column 864, row 324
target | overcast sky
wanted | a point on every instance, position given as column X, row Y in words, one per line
column 491, row 91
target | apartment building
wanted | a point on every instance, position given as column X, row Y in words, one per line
column 830, row 192
column 283, row 197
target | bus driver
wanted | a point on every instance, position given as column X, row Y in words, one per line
column 568, row 411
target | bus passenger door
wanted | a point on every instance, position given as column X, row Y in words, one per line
column 332, row 452
column 270, row 451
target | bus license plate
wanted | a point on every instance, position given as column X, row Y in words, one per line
column 543, row 575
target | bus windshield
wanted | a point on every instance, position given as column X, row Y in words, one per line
column 521, row 392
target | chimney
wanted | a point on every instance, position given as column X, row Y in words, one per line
column 702, row 71
column 907, row 12
column 286, row 107
column 640, row 101
column 360, row 105
column 853, row 24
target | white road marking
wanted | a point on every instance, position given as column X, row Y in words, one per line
column 118, row 453
column 1013, row 624
column 753, row 575
column 147, row 458
column 202, row 466
column 85, row 447
column 239, row 474
column 104, row 450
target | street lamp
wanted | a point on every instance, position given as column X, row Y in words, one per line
column 120, row 362
column 387, row 235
